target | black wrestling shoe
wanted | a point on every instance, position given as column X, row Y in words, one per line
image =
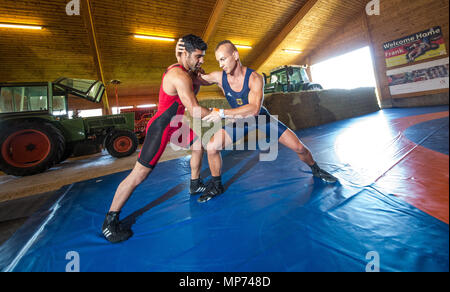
column 197, row 187
column 113, row 231
column 213, row 189
column 322, row 174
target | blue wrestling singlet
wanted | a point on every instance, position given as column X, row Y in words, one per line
column 265, row 121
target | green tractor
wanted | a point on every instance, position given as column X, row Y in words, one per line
column 36, row 132
column 292, row 78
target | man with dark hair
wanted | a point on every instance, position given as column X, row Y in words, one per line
column 244, row 90
column 193, row 42
column 178, row 91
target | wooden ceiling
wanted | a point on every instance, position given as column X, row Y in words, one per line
column 65, row 46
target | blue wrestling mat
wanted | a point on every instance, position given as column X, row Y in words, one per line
column 274, row 216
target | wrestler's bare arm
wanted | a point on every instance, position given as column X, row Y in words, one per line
column 182, row 83
column 211, row 78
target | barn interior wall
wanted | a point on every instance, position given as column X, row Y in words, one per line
column 397, row 19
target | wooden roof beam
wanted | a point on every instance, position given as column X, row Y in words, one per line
column 266, row 50
column 89, row 23
column 211, row 27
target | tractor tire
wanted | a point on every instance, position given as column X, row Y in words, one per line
column 314, row 87
column 121, row 143
column 67, row 152
column 30, row 147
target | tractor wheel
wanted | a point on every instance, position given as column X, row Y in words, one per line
column 121, row 143
column 68, row 152
column 30, row 147
column 314, row 87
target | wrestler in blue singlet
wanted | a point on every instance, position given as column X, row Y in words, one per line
column 238, row 99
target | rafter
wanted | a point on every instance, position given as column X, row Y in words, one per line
column 210, row 29
column 89, row 23
column 266, row 50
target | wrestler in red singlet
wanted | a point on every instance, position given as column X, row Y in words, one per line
column 160, row 129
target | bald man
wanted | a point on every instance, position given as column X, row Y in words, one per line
column 244, row 90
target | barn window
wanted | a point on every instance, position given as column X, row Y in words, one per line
column 348, row 71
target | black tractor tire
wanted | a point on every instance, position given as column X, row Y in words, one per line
column 314, row 86
column 121, row 143
column 67, row 152
column 30, row 147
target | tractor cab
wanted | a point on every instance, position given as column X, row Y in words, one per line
column 297, row 76
column 91, row 90
column 25, row 97
column 292, row 78
column 47, row 97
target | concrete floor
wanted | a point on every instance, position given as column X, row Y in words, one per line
column 71, row 171
column 20, row 197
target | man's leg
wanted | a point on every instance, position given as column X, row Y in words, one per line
column 112, row 229
column 128, row 185
column 215, row 145
column 196, row 158
column 154, row 145
column 196, row 185
column 218, row 142
column 290, row 140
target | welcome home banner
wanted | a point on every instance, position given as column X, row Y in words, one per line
column 419, row 46
column 419, row 77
